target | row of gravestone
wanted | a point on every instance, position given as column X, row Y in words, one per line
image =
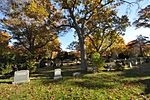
column 122, row 63
column 23, row 75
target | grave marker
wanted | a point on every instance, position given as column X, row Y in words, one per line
column 90, row 68
column 57, row 74
column 21, row 76
column 136, row 63
column 109, row 68
column 76, row 73
column 130, row 65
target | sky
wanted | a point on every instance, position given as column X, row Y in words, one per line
column 131, row 32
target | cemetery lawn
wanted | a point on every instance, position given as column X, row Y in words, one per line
column 131, row 84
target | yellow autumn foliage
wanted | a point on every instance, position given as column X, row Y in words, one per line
column 36, row 9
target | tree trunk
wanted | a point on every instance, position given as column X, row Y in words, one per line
column 82, row 53
column 80, row 33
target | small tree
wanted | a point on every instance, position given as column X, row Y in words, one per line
column 97, row 61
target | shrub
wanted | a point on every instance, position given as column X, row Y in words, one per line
column 31, row 65
column 28, row 65
column 6, row 68
column 97, row 60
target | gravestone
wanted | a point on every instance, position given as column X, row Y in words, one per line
column 136, row 63
column 111, row 64
column 130, row 65
column 76, row 73
column 21, row 76
column 89, row 68
column 141, row 61
column 109, row 68
column 57, row 74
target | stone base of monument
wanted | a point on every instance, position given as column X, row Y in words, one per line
column 21, row 76
column 57, row 77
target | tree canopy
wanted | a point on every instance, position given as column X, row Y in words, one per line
column 27, row 22
column 144, row 18
column 105, row 29
column 4, row 40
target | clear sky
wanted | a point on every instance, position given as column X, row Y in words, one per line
column 131, row 32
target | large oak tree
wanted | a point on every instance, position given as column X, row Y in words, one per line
column 78, row 14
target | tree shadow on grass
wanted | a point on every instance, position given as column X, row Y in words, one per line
column 146, row 82
column 6, row 76
column 90, row 84
column 140, row 72
column 46, row 74
column 6, row 82
column 96, row 81
column 66, row 73
column 83, row 82
column 5, row 79
column 49, row 72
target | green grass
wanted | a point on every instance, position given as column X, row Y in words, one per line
column 132, row 84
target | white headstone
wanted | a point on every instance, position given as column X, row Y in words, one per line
column 130, row 65
column 136, row 62
column 57, row 74
column 21, row 76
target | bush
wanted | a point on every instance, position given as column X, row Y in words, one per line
column 28, row 65
column 97, row 60
column 31, row 65
column 5, row 68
